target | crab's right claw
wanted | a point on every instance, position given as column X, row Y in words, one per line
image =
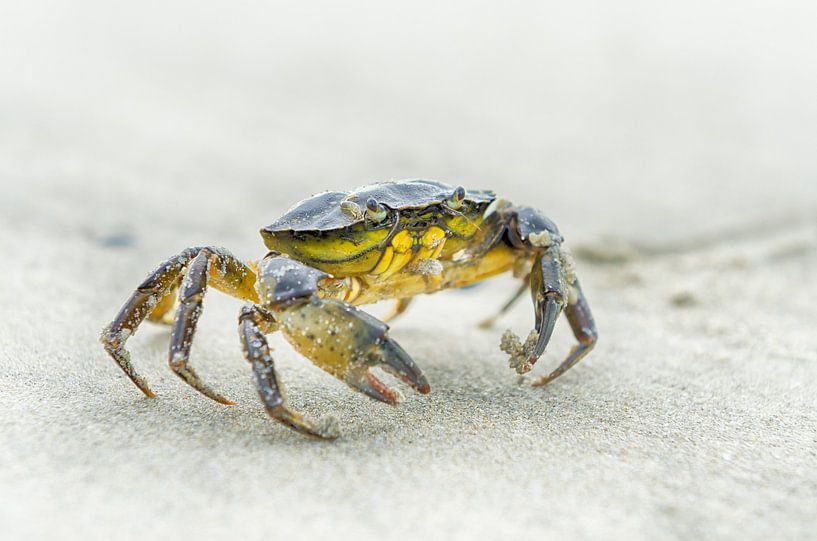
column 347, row 343
column 388, row 355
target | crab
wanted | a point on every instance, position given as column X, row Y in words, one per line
column 338, row 250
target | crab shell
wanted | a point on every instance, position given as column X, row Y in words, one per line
column 332, row 232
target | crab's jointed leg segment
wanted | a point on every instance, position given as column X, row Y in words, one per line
column 488, row 322
column 400, row 306
column 155, row 296
column 553, row 287
column 143, row 301
column 396, row 256
column 584, row 329
column 209, row 265
column 165, row 310
column 253, row 323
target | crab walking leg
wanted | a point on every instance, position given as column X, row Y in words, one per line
column 233, row 276
column 488, row 322
column 142, row 302
column 253, row 323
column 584, row 329
column 165, row 309
column 399, row 307
column 155, row 296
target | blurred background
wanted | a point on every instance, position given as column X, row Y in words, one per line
column 700, row 115
column 673, row 143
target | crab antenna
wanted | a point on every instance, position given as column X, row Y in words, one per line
column 374, row 210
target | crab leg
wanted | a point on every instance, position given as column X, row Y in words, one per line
column 165, row 310
column 549, row 293
column 554, row 288
column 253, row 323
column 191, row 296
column 488, row 322
column 584, row 329
column 153, row 299
column 399, row 307
column 141, row 303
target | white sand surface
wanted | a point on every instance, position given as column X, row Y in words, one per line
column 674, row 146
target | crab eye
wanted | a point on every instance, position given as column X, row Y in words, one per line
column 456, row 199
column 374, row 210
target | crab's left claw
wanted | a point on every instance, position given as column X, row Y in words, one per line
column 347, row 343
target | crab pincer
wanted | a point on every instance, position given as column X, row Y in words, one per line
column 347, row 342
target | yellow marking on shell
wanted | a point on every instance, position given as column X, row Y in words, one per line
column 433, row 237
column 403, row 251
column 328, row 248
column 385, row 261
column 338, row 249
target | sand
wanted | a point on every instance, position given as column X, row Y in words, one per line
column 674, row 147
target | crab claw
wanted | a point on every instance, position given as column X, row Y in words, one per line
column 547, row 312
column 367, row 383
column 388, row 355
column 396, row 361
column 549, row 291
column 347, row 342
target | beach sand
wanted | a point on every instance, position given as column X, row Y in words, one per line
column 673, row 146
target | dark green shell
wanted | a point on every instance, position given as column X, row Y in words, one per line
column 322, row 212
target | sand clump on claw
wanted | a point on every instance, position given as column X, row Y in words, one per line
column 520, row 353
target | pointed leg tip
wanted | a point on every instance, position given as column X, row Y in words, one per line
column 325, row 428
column 142, row 385
column 541, row 382
column 209, row 393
